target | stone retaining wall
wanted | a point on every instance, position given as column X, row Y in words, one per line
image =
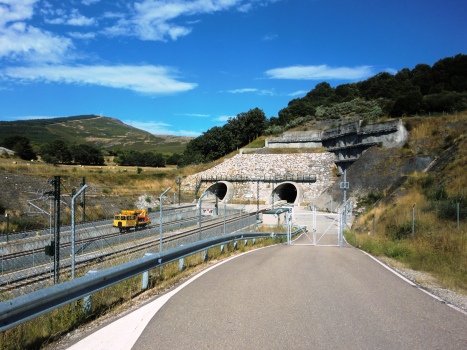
column 320, row 165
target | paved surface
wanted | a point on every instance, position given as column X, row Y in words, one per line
column 302, row 297
column 294, row 297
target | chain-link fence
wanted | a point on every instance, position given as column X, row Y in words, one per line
column 27, row 259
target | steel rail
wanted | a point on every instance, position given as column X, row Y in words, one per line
column 27, row 307
column 33, row 278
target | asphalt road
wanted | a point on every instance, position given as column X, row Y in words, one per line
column 303, row 297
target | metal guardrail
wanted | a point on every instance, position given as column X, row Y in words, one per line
column 27, row 307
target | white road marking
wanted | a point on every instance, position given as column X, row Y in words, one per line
column 123, row 333
column 413, row 284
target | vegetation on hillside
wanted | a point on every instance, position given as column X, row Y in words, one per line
column 438, row 245
column 101, row 132
column 422, row 90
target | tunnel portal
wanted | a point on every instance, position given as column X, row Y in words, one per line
column 285, row 191
column 222, row 190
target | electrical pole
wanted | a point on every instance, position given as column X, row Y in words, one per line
column 345, row 185
column 217, row 198
column 56, row 194
column 83, row 201
column 178, row 180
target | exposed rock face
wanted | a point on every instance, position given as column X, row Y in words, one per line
column 255, row 166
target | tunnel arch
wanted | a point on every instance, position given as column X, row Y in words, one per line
column 225, row 191
column 289, row 191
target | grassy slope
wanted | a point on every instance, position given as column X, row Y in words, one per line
column 438, row 246
column 99, row 131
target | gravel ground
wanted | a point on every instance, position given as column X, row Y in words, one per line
column 426, row 281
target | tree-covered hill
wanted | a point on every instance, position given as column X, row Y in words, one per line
column 421, row 90
column 97, row 131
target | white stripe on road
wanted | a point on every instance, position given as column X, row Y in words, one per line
column 123, row 333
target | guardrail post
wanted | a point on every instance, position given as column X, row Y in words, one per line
column 145, row 282
column 222, row 249
column 235, row 245
column 87, row 301
column 254, row 241
column 246, row 242
column 205, row 255
column 181, row 263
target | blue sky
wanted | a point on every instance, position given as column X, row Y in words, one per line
column 182, row 67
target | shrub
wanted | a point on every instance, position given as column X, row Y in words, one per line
column 395, row 232
column 408, row 126
column 105, row 191
column 139, row 170
column 148, row 199
column 364, row 122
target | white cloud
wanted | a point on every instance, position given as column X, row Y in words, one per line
column 89, row 2
column 259, row 92
column 154, row 19
column 85, row 36
column 241, row 91
column 391, row 70
column 151, row 80
column 269, row 37
column 15, row 10
column 320, row 72
column 245, row 8
column 296, row 93
column 74, row 19
column 196, row 115
column 113, row 15
column 30, row 43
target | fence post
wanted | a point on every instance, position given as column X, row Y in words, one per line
column 87, row 300
column 413, row 221
column 373, row 225
column 145, row 281
column 458, row 210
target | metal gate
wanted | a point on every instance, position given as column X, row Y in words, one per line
column 326, row 230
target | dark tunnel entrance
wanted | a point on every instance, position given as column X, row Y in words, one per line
column 286, row 192
column 221, row 191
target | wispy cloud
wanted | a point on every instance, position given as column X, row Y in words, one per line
column 391, row 70
column 151, row 80
column 73, row 19
column 155, row 19
column 320, row 72
column 19, row 41
column 296, row 93
column 257, row 91
column 241, row 91
column 268, row 37
column 84, row 36
column 89, row 2
column 195, row 115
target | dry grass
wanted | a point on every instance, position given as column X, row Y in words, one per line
column 50, row 327
column 437, row 247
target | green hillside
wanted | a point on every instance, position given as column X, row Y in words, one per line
column 102, row 132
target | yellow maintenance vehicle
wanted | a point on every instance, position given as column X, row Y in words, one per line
column 131, row 219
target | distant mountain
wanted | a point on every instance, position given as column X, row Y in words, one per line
column 98, row 131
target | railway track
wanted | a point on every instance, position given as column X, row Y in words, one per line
column 43, row 273
column 89, row 240
column 32, row 233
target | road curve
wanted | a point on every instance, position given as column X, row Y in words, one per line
column 302, row 297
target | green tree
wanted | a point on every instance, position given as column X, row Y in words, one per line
column 56, row 152
column 21, row 145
